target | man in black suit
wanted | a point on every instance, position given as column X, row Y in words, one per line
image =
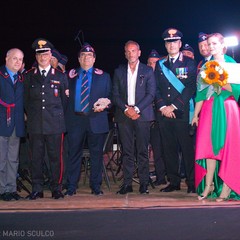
column 88, row 122
column 133, row 93
column 176, row 85
column 45, row 101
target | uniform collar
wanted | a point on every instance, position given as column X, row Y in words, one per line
column 46, row 69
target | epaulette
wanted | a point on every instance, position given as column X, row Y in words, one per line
column 180, row 57
column 31, row 69
column 5, row 74
column 98, row 71
column 53, row 71
column 72, row 73
column 59, row 70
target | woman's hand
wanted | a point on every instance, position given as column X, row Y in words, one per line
column 195, row 120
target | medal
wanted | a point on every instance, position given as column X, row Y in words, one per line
column 182, row 72
column 55, row 92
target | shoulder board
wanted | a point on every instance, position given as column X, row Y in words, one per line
column 180, row 57
column 98, row 71
column 53, row 71
column 32, row 69
column 163, row 59
column 58, row 70
column 72, row 73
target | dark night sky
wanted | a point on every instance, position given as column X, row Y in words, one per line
column 108, row 24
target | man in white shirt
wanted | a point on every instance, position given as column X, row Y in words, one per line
column 133, row 93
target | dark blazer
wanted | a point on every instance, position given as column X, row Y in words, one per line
column 44, row 101
column 166, row 93
column 11, row 94
column 144, row 95
column 100, row 88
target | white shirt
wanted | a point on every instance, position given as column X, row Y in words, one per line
column 46, row 69
column 174, row 58
column 131, row 81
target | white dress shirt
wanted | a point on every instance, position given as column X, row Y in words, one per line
column 131, row 81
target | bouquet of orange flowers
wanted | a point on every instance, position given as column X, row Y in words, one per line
column 212, row 74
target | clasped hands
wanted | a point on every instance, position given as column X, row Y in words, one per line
column 168, row 111
column 131, row 112
column 101, row 104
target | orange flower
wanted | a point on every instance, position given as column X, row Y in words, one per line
column 222, row 79
column 211, row 64
column 213, row 73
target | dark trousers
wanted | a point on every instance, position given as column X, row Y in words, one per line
column 175, row 134
column 76, row 140
column 132, row 132
column 54, row 147
column 157, row 148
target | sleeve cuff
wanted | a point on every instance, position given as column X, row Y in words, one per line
column 136, row 109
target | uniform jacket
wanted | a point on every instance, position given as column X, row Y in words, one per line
column 11, row 94
column 144, row 95
column 100, row 88
column 45, row 101
column 166, row 93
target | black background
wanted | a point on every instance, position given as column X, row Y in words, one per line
column 108, row 24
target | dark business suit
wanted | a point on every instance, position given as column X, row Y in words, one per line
column 11, row 128
column 131, row 130
column 45, row 101
column 11, row 94
column 92, row 126
column 175, row 131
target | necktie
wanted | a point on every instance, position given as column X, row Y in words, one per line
column 43, row 73
column 15, row 78
column 85, row 93
column 171, row 63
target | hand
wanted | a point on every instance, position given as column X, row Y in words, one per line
column 194, row 120
column 67, row 92
column 136, row 116
column 131, row 113
column 99, row 109
column 101, row 104
column 168, row 111
column 170, row 115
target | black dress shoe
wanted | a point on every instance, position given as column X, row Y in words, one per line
column 97, row 192
column 16, row 196
column 6, row 196
column 125, row 189
column 57, row 194
column 143, row 189
column 160, row 182
column 170, row 188
column 70, row 192
column 35, row 195
column 191, row 189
